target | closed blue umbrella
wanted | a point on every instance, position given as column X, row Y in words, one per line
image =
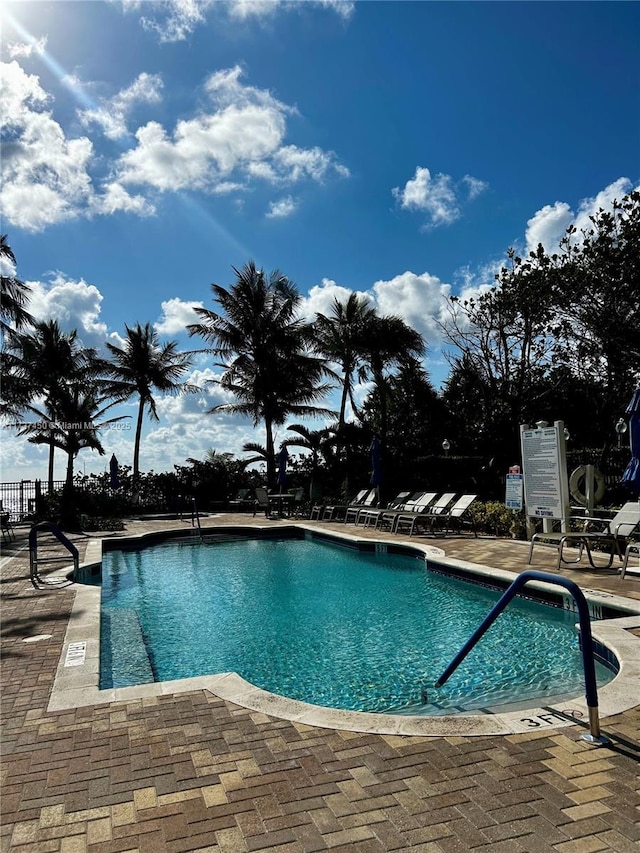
column 114, row 481
column 376, row 462
column 282, row 467
column 631, row 476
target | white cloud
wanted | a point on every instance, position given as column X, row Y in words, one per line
column 241, row 140
column 321, row 297
column 282, row 208
column 548, row 225
column 20, row 49
column 438, row 197
column 116, row 198
column 177, row 314
column 419, row 300
column 49, row 178
column 175, row 20
column 112, row 115
column 45, row 178
column 74, row 304
column 475, row 186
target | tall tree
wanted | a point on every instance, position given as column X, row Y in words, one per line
column 505, row 345
column 264, row 349
column 79, row 415
column 387, row 344
column 143, row 365
column 317, row 441
column 42, row 363
column 597, row 308
column 14, row 294
column 340, row 337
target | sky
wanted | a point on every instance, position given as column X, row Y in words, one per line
column 395, row 149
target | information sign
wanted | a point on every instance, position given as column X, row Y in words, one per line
column 513, row 497
column 544, row 463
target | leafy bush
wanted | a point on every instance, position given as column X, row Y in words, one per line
column 496, row 519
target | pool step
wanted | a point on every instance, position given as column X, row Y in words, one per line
column 126, row 660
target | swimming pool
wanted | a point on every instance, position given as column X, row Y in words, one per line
column 328, row 625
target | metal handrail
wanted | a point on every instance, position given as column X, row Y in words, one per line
column 195, row 516
column 49, row 527
column 586, row 642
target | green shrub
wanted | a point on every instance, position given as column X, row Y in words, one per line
column 496, row 519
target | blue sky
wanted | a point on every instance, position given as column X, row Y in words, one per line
column 394, row 149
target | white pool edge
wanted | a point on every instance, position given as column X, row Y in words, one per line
column 77, row 675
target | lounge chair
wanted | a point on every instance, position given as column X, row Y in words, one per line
column 244, row 500
column 388, row 517
column 456, row 515
column 369, row 517
column 334, row 511
column 352, row 512
column 424, row 515
column 613, row 537
column 632, row 548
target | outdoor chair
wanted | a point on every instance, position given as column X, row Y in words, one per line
column 388, row 516
column 613, row 537
column 424, row 515
column 8, row 533
column 632, row 548
column 369, row 517
column 456, row 515
column 352, row 512
column 242, row 501
column 334, row 511
column 263, row 501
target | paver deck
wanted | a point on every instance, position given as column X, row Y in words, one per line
column 192, row 771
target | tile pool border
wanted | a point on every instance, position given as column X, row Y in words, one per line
column 77, row 675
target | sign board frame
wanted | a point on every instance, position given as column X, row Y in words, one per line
column 546, row 483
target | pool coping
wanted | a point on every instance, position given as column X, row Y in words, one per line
column 77, row 675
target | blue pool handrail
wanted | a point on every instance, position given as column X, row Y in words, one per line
column 586, row 643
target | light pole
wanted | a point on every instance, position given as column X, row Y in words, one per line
column 621, row 428
column 446, row 446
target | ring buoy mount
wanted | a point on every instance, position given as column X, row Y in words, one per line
column 578, row 488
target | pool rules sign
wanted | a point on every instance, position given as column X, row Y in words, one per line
column 544, row 463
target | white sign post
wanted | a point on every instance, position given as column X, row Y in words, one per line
column 546, row 485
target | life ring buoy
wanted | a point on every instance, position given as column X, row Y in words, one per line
column 577, row 485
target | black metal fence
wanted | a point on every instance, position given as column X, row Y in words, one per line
column 19, row 498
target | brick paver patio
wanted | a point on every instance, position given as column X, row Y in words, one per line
column 193, row 772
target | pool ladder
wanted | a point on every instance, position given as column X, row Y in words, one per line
column 586, row 643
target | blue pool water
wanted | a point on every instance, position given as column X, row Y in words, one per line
column 327, row 625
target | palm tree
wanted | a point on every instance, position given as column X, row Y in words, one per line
column 265, row 351
column 41, row 364
column 14, row 294
column 318, row 441
column 74, row 425
column 388, row 342
column 143, row 365
column 340, row 338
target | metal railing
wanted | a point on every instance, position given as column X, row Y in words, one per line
column 35, row 560
column 586, row 642
column 19, row 498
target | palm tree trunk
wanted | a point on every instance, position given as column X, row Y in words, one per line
column 271, row 459
column 136, row 444
column 52, row 449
